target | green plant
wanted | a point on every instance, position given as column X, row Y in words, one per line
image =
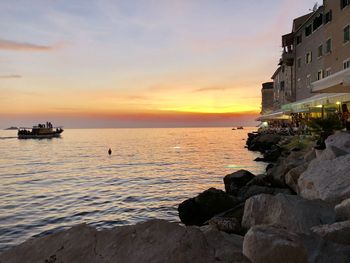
column 323, row 128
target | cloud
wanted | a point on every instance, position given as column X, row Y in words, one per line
column 23, row 46
column 211, row 89
column 12, row 76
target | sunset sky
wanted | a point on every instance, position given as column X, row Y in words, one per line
column 139, row 63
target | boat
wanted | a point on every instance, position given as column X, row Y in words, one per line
column 240, row 128
column 233, row 129
column 11, row 128
column 41, row 131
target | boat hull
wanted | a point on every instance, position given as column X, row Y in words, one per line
column 40, row 136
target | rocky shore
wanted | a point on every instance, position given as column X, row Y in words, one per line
column 297, row 211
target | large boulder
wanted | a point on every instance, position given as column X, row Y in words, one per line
column 293, row 175
column 263, row 142
column 153, row 241
column 233, row 182
column 342, row 210
column 280, row 170
column 267, row 244
column 340, row 140
column 196, row 211
column 330, row 153
column 337, row 232
column 288, row 211
column 328, row 180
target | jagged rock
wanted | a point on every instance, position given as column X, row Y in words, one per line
column 337, row 232
column 233, row 182
column 341, row 140
column 264, row 244
column 310, row 155
column 267, row 244
column 248, row 191
column 288, row 211
column 279, row 171
column 342, row 210
column 328, row 180
column 153, row 241
column 330, row 153
column 273, row 154
column 195, row 211
column 293, row 175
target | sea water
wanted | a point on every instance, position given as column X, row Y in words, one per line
column 51, row 184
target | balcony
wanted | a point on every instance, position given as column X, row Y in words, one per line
column 287, row 58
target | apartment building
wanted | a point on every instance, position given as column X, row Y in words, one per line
column 309, row 54
column 315, row 60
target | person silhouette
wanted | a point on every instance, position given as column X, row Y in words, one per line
column 109, row 151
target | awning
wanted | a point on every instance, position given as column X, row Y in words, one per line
column 316, row 100
column 275, row 115
column 336, row 83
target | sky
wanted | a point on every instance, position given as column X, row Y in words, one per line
column 139, row 63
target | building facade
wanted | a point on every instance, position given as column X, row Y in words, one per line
column 267, row 98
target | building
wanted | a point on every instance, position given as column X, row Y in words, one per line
column 314, row 70
column 267, row 97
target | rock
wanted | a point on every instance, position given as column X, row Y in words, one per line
column 248, row 191
column 330, row 153
column 288, row 211
column 264, row 244
column 310, row 155
column 226, row 224
column 262, row 142
column 279, row 171
column 293, row 175
column 328, row 180
column 342, row 210
column 340, row 140
column 153, row 241
column 233, row 182
column 273, row 154
column 195, row 211
column 337, row 232
column 267, row 244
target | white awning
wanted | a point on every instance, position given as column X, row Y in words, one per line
column 336, row 83
column 275, row 115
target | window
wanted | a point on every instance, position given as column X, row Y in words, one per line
column 344, row 3
column 318, row 21
column 329, row 46
column 308, row 57
column 308, row 30
column 346, row 64
column 328, row 72
column 347, row 34
column 308, row 81
column 320, row 51
column 320, row 74
column 299, row 39
column 282, row 85
column 299, row 62
column 328, row 17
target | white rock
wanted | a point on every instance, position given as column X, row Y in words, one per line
column 287, row 211
column 340, row 140
column 328, row 180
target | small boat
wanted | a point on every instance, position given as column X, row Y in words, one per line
column 233, row 129
column 11, row 128
column 41, row 131
column 240, row 128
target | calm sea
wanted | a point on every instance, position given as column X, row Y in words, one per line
column 48, row 185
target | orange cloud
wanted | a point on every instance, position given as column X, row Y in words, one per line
column 23, row 46
column 12, row 76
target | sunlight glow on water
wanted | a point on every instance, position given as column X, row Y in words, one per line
column 53, row 184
